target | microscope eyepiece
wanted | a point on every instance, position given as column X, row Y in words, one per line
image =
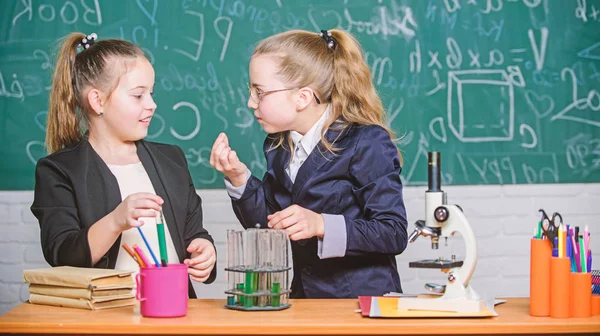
column 434, row 171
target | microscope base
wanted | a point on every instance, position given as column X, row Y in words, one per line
column 459, row 305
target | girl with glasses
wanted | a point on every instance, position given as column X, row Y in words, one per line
column 333, row 171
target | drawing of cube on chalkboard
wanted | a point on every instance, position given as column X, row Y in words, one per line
column 481, row 105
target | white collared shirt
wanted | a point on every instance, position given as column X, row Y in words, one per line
column 304, row 145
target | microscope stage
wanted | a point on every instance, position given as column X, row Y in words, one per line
column 435, row 263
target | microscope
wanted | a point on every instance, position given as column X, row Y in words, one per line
column 444, row 220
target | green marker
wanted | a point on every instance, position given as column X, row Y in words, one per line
column 582, row 255
column 162, row 244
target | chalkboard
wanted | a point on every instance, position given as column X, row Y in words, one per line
column 507, row 90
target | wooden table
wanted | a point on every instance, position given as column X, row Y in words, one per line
column 314, row 317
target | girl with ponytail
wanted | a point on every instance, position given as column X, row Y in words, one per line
column 102, row 181
column 333, row 171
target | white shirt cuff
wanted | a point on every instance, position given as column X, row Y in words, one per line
column 236, row 192
column 333, row 244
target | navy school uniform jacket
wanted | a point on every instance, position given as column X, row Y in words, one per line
column 74, row 189
column 361, row 182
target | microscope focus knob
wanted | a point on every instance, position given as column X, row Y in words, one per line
column 441, row 214
column 451, row 278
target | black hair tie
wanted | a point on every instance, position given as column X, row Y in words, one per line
column 326, row 35
column 88, row 41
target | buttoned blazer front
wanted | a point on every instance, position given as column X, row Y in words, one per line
column 361, row 181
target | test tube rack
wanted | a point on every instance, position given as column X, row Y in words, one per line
column 257, row 270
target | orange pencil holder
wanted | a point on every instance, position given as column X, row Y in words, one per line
column 539, row 277
column 560, row 287
column 581, row 294
column 595, row 305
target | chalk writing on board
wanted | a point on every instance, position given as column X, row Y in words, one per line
column 14, row 90
column 583, row 153
column 591, row 52
column 462, row 115
column 67, row 12
column 590, row 101
column 506, row 89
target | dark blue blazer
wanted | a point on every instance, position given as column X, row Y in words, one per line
column 361, row 181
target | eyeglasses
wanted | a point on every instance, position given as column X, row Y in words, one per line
column 257, row 94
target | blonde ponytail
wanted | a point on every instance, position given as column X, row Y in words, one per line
column 63, row 125
column 353, row 95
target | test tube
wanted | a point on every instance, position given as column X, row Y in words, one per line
column 275, row 289
column 264, row 254
column 230, row 258
column 240, row 288
column 251, row 263
column 286, row 262
column 239, row 263
column 280, row 263
column 268, row 286
column 231, row 263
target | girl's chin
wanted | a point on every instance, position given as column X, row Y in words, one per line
column 138, row 135
column 268, row 128
column 271, row 130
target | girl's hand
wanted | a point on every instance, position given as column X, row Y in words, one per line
column 203, row 259
column 299, row 222
column 127, row 214
column 225, row 160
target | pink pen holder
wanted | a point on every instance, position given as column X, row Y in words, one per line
column 163, row 291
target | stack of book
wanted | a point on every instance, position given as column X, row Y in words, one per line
column 75, row 287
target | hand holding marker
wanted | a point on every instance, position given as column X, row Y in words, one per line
column 162, row 244
column 138, row 254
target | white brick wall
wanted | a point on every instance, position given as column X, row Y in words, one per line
column 503, row 218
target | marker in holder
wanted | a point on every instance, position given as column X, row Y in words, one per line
column 257, row 270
